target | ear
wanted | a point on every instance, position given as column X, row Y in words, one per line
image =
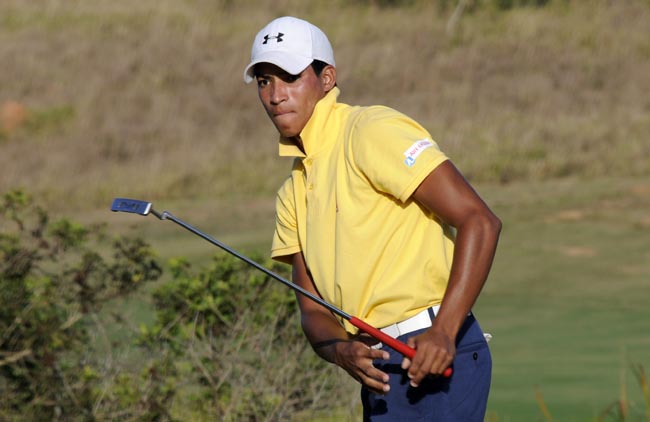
column 328, row 77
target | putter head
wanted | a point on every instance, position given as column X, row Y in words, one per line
column 133, row 206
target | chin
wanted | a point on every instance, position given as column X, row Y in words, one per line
column 288, row 133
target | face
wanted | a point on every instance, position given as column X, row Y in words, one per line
column 289, row 100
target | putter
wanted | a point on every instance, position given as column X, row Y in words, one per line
column 135, row 206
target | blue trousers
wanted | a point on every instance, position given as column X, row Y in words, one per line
column 460, row 398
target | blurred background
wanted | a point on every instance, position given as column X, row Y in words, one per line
column 543, row 105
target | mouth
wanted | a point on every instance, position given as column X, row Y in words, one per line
column 280, row 113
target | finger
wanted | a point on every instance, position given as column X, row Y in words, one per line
column 420, row 367
column 374, row 379
column 371, row 370
column 380, row 389
column 378, row 354
column 377, row 375
column 366, row 372
column 417, row 376
column 410, row 342
column 415, row 373
column 441, row 365
column 406, row 363
column 438, row 365
column 441, row 360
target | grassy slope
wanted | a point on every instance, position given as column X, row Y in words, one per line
column 567, row 300
column 146, row 100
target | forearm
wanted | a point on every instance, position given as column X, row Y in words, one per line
column 323, row 331
column 332, row 343
column 447, row 194
column 475, row 247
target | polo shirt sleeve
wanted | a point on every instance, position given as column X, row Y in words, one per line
column 393, row 151
column 285, row 238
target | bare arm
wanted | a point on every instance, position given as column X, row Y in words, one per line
column 446, row 193
column 330, row 340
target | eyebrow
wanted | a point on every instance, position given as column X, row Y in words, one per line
column 274, row 71
column 281, row 74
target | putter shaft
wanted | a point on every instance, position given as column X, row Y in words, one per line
column 135, row 206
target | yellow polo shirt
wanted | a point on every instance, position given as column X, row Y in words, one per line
column 371, row 250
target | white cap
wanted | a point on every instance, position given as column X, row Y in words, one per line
column 291, row 44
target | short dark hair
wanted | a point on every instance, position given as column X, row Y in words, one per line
column 318, row 66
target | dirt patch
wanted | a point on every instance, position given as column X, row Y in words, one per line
column 579, row 251
column 567, row 215
column 641, row 190
column 12, row 115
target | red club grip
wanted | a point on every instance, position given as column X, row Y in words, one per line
column 389, row 341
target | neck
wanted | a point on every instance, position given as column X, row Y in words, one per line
column 298, row 141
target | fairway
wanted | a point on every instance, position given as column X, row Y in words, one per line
column 567, row 299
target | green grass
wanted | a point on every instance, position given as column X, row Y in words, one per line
column 567, row 298
column 566, row 301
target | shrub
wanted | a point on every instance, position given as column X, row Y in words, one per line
column 238, row 344
column 226, row 342
column 53, row 281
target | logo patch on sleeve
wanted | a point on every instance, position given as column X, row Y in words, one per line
column 415, row 150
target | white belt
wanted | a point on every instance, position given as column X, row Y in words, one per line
column 416, row 322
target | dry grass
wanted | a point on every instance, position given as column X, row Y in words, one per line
column 146, row 98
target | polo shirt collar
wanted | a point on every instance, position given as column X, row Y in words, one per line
column 311, row 141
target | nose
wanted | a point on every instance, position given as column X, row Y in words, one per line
column 278, row 92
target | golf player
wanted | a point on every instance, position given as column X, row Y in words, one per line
column 377, row 221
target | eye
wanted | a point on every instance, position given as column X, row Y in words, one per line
column 288, row 78
column 262, row 82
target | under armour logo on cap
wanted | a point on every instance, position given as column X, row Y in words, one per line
column 277, row 38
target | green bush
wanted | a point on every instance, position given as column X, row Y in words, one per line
column 212, row 300
column 238, row 344
column 53, row 281
column 509, row 4
column 225, row 343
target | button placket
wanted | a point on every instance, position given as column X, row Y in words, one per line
column 307, row 164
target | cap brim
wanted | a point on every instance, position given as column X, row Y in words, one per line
column 290, row 63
